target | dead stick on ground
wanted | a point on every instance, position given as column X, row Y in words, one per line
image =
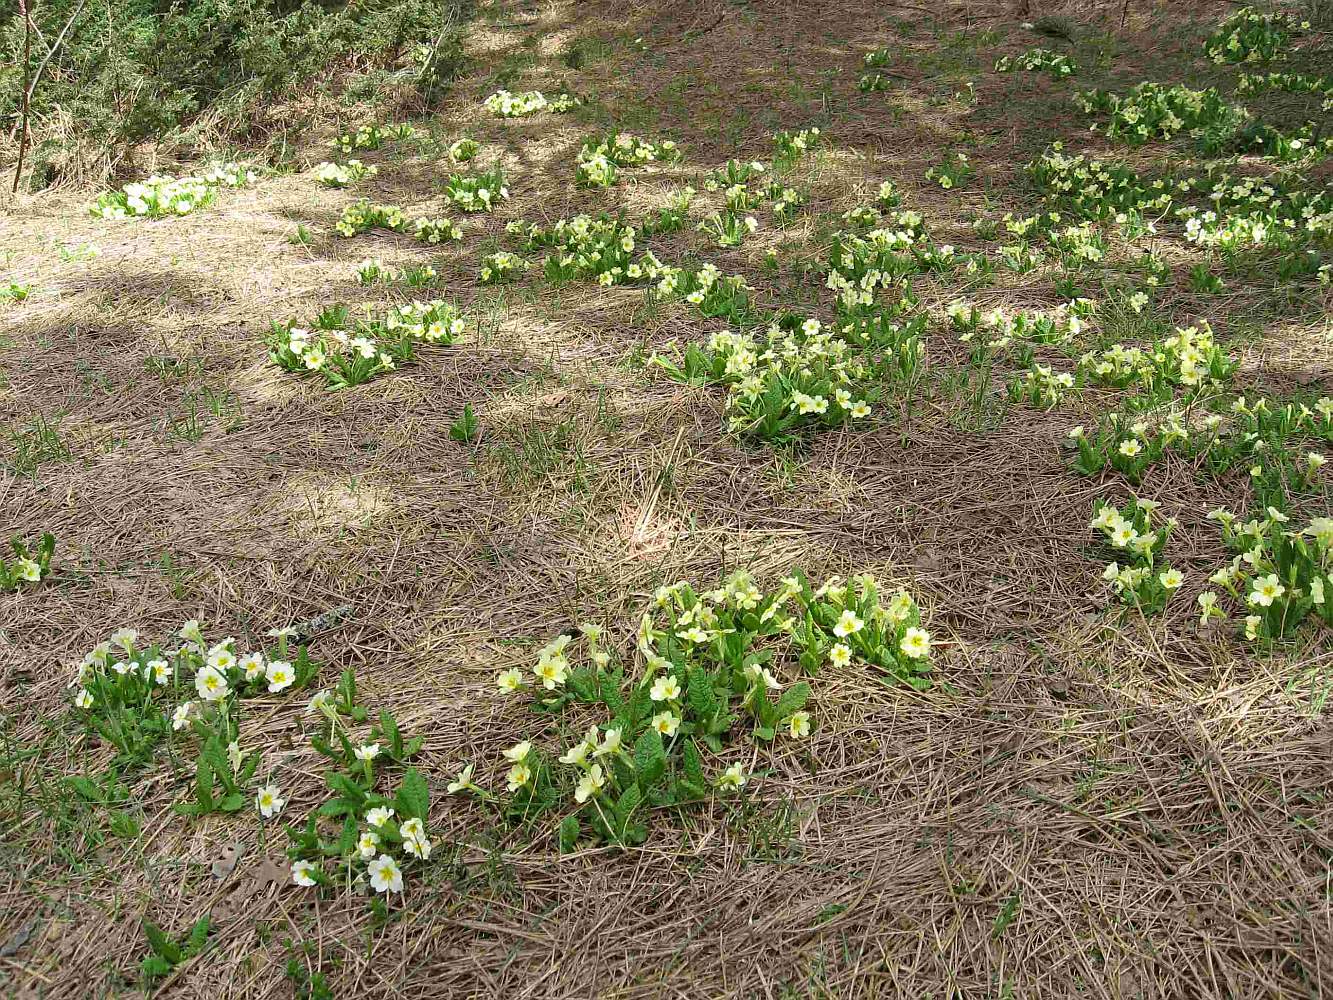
column 27, row 97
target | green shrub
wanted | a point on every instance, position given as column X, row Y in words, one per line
column 137, row 69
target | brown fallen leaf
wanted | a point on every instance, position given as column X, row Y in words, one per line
column 225, row 863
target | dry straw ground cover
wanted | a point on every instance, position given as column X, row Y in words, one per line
column 737, row 500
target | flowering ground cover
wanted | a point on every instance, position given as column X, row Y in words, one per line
column 741, row 502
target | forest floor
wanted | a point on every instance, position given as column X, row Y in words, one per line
column 1082, row 797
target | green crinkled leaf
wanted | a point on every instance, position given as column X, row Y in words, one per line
column 581, row 684
column 154, row 967
column 194, row 941
column 389, row 727
column 792, row 700
column 699, row 692
column 569, row 833
column 232, row 802
column 628, row 802
column 124, row 825
column 85, row 788
column 348, row 836
column 413, row 798
column 649, row 757
column 162, row 946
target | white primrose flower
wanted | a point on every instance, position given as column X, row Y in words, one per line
column 269, row 801
column 385, row 875
column 210, row 684
column 280, row 676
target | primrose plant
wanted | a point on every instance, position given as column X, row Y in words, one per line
column 31, row 563
column 716, row 667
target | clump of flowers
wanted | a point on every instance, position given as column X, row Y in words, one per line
column 1041, row 386
column 500, row 267
column 728, row 228
column 374, row 272
column 871, row 83
column 477, row 192
column 1095, row 188
column 530, row 102
column 600, row 248
column 791, row 146
column 1136, row 576
column 347, row 352
column 715, row 295
column 802, row 376
column 735, row 174
column 710, row 662
column 1155, row 111
column 1291, row 83
column 464, row 150
column 1250, row 35
column 996, row 329
column 861, row 267
column 953, row 171
column 372, row 137
column 1190, row 357
column 162, row 195
column 136, row 694
column 30, row 563
column 364, row 835
column 600, row 159
column 364, row 216
column 336, row 175
column 1279, row 577
column 1055, row 64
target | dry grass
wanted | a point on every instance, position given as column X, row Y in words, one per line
column 1079, row 807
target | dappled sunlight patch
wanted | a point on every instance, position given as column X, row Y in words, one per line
column 321, row 503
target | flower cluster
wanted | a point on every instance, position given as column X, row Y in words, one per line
column 336, row 175
column 791, row 146
column 347, row 352
column 715, row 295
column 1291, row 83
column 374, row 272
column 1250, row 35
column 500, row 267
column 1041, row 386
column 135, row 694
column 802, row 375
column 1094, row 188
column 1038, row 60
column 1003, row 329
column 1190, row 357
column 600, row 248
column 861, row 267
column 477, row 192
column 599, row 159
column 1279, row 576
column 1131, row 535
column 1250, row 212
column 1156, row 111
column 955, row 170
column 162, row 195
column 377, row 836
column 530, row 102
column 463, row 150
column 29, row 565
column 372, row 137
column 709, row 661
column 364, row 216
